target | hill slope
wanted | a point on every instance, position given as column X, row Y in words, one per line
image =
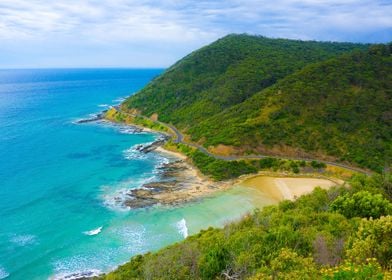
column 259, row 95
column 226, row 73
column 341, row 107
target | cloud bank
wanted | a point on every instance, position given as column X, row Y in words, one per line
column 146, row 33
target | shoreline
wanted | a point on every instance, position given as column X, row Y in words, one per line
column 181, row 182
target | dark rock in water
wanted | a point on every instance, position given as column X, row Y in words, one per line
column 85, row 275
column 139, row 147
column 149, row 148
column 97, row 117
column 140, row 202
column 171, row 181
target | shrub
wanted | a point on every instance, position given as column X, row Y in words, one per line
column 362, row 204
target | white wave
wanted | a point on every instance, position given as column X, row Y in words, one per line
column 182, row 228
column 3, row 274
column 93, row 231
column 77, row 275
column 131, row 130
column 132, row 236
column 104, row 105
column 119, row 100
column 23, row 240
column 134, row 153
column 114, row 196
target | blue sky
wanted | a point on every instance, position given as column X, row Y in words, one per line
column 143, row 33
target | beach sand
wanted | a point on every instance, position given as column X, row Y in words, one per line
column 172, row 153
column 281, row 188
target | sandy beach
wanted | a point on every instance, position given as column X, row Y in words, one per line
column 171, row 153
column 281, row 188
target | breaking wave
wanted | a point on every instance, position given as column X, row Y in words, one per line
column 78, row 275
column 93, row 231
column 182, row 228
column 3, row 274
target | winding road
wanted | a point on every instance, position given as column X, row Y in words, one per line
column 180, row 139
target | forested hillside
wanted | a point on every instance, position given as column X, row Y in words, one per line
column 226, row 73
column 284, row 97
column 341, row 107
column 250, row 95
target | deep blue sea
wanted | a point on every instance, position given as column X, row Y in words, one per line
column 58, row 179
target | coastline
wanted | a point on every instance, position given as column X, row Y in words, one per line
column 191, row 185
column 182, row 182
column 179, row 182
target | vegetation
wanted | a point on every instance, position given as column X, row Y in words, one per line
column 116, row 116
column 219, row 169
column 226, row 73
column 362, row 204
column 259, row 95
column 340, row 108
column 304, row 239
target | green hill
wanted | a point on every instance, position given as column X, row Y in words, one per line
column 340, row 107
column 226, row 73
column 260, row 95
column 247, row 94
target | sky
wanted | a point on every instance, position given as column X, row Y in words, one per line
column 145, row 33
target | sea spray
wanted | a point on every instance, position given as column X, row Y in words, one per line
column 93, row 231
column 182, row 228
column 78, row 275
column 115, row 195
column 3, row 274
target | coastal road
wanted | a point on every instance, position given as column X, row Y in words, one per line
column 179, row 138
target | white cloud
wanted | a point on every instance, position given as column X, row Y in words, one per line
column 165, row 30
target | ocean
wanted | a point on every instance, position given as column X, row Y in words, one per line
column 59, row 179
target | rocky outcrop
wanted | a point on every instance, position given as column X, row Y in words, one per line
column 151, row 147
column 97, row 117
column 178, row 183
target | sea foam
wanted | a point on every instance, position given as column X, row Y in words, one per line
column 3, row 274
column 182, row 228
column 77, row 275
column 133, row 153
column 93, row 231
column 24, row 240
column 115, row 195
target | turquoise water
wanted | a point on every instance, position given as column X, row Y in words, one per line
column 58, row 179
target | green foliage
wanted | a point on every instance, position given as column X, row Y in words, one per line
column 362, row 204
column 258, row 93
column 220, row 169
column 226, row 73
column 340, row 107
column 349, row 271
column 318, row 165
column 372, row 241
column 130, row 270
column 114, row 115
